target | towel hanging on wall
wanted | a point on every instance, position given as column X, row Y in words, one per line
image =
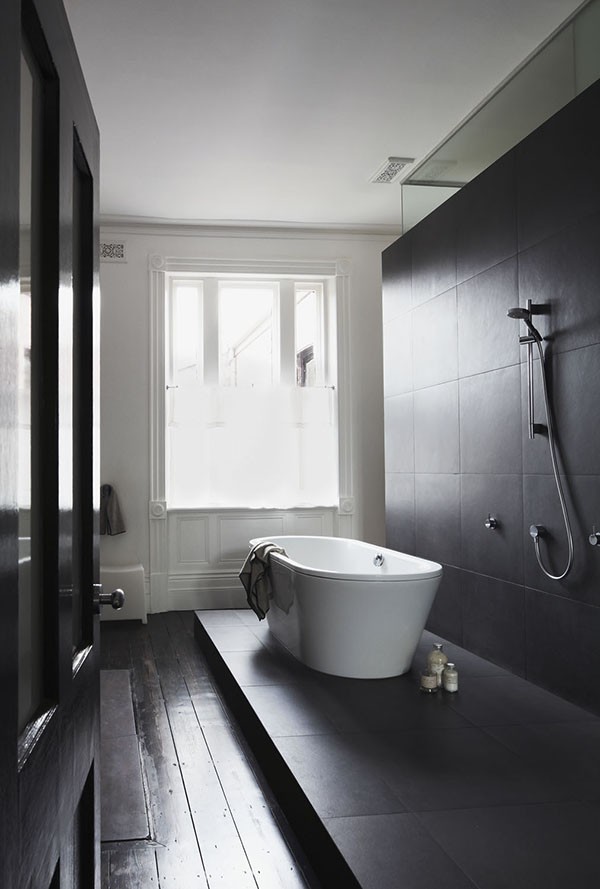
column 255, row 577
column 111, row 520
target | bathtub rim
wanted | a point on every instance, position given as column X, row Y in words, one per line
column 435, row 569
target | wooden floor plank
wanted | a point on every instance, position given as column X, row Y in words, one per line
column 220, row 845
column 105, row 870
column 133, row 868
column 178, row 856
column 272, row 862
column 211, row 823
column 201, row 689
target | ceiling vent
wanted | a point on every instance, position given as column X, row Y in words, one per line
column 113, row 251
column 391, row 169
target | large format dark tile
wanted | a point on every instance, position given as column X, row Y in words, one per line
column 288, row 710
column 399, row 434
column 386, row 851
column 458, row 769
column 434, row 254
column 490, row 422
column 232, row 638
column 437, row 502
column 436, row 429
column 496, row 552
column 548, row 846
column 339, row 774
column 381, row 705
column 572, row 381
column 566, row 749
column 262, row 668
column 509, row 700
column 565, row 142
column 487, row 339
column 563, row 272
column 397, row 278
column 387, row 758
column 469, row 664
column 562, row 646
column 435, row 341
column 397, row 356
column 576, row 382
column 400, row 511
column 445, row 617
column 486, row 219
column 494, row 620
column 541, row 506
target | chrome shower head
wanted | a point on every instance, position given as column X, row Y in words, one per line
column 524, row 315
column 520, row 313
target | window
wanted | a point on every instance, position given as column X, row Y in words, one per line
column 251, row 405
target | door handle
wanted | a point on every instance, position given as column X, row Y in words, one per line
column 116, row 599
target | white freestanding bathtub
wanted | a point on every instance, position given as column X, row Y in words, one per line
column 338, row 611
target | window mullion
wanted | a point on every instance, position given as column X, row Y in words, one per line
column 211, row 331
column 287, row 346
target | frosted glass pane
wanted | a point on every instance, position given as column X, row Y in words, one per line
column 265, row 447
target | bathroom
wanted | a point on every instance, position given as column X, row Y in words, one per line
column 452, row 424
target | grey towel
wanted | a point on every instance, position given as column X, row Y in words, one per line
column 255, row 577
column 111, row 520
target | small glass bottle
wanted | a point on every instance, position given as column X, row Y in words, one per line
column 436, row 661
column 429, row 683
column 450, row 678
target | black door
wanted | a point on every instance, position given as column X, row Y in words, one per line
column 49, row 717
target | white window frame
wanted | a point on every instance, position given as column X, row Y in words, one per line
column 159, row 268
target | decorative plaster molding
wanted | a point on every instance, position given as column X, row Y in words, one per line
column 158, row 509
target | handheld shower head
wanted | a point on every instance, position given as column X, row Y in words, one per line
column 524, row 315
column 521, row 314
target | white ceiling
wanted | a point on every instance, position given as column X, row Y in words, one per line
column 280, row 111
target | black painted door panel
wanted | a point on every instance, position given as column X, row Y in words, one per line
column 49, row 675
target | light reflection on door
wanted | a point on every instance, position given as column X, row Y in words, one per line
column 30, row 598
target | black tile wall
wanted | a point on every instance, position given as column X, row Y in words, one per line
column 397, row 287
column 563, row 272
column 399, row 439
column 486, row 220
column 434, row 254
column 494, row 620
column 435, row 341
column 562, row 646
column 496, row 551
column 557, row 172
column 457, row 447
column 490, row 422
column 436, row 429
column 445, row 618
column 400, row 511
column 437, row 516
column 397, row 356
column 487, row 339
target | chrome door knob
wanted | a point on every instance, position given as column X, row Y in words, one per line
column 116, row 599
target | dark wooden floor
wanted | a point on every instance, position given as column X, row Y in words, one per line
column 213, row 821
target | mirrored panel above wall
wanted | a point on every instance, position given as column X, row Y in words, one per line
column 559, row 70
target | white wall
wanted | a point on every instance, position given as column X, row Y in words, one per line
column 125, row 377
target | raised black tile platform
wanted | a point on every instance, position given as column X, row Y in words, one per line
column 386, row 787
